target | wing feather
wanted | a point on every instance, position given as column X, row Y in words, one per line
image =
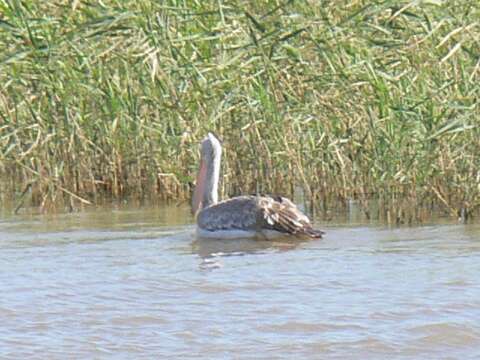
column 257, row 213
column 284, row 216
column 236, row 213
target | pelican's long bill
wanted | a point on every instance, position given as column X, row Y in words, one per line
column 199, row 188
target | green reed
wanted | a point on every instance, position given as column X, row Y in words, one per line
column 346, row 99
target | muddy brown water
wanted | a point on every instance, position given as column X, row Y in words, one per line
column 127, row 283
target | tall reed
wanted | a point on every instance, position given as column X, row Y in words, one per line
column 346, row 99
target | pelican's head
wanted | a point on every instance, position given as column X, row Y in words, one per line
column 206, row 188
column 210, row 148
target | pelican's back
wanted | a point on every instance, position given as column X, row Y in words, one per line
column 257, row 214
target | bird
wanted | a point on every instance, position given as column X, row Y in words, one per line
column 247, row 216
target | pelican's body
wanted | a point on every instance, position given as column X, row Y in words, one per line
column 263, row 217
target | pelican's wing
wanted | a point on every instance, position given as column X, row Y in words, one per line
column 257, row 213
column 282, row 215
column 237, row 213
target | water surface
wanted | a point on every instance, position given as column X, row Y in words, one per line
column 136, row 284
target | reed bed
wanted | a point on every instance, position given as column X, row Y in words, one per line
column 340, row 99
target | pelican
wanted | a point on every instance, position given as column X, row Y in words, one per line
column 248, row 216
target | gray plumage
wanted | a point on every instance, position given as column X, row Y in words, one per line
column 257, row 213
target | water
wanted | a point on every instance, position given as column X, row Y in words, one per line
column 135, row 284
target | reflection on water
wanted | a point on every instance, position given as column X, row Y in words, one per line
column 212, row 250
column 211, row 247
column 135, row 283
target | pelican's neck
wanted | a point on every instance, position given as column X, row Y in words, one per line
column 210, row 191
column 206, row 189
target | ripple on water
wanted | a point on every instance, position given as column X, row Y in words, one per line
column 141, row 290
column 446, row 334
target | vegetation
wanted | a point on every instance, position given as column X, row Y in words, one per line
column 346, row 99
